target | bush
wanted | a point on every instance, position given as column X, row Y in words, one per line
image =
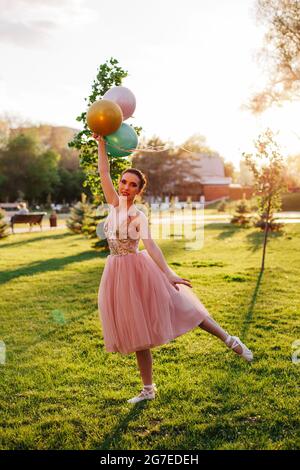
column 3, row 225
column 79, row 213
column 242, row 215
column 222, row 206
column 260, row 222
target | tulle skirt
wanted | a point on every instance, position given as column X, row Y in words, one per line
column 139, row 308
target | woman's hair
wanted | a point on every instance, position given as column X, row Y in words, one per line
column 140, row 174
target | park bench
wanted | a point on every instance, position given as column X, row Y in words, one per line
column 31, row 218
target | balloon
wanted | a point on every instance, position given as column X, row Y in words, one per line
column 122, row 142
column 104, row 117
column 124, row 98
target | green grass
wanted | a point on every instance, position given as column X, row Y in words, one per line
column 61, row 390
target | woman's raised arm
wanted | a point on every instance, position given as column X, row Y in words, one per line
column 109, row 191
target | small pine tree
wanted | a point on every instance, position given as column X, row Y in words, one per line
column 3, row 225
column 79, row 212
column 91, row 227
column 273, row 225
column 221, row 206
column 242, row 213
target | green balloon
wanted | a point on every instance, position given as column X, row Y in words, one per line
column 122, row 142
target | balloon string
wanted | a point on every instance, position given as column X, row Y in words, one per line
column 150, row 148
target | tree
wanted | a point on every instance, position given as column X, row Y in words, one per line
column 78, row 215
column 155, row 164
column 242, row 215
column 197, row 143
column 165, row 169
column 109, row 74
column 281, row 53
column 69, row 187
column 267, row 167
column 54, row 138
column 64, row 183
column 42, row 176
column 26, row 167
column 93, row 225
column 4, row 133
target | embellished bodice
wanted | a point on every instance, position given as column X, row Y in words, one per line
column 122, row 235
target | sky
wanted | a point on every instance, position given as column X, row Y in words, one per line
column 192, row 65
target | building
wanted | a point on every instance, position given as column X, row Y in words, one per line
column 208, row 180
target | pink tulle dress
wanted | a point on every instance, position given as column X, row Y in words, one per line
column 138, row 307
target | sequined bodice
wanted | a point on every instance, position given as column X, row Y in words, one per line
column 121, row 244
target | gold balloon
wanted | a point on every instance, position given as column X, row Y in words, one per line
column 104, row 117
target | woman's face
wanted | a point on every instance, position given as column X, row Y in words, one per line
column 129, row 186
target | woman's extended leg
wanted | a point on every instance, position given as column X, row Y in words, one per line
column 211, row 326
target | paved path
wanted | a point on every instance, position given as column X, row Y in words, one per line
column 284, row 217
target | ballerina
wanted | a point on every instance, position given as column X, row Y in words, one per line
column 142, row 302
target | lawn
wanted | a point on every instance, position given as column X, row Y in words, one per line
column 61, row 390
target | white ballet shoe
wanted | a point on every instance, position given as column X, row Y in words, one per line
column 146, row 394
column 246, row 353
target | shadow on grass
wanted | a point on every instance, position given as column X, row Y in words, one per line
column 249, row 315
column 53, row 264
column 115, row 436
column 226, row 230
column 255, row 239
column 37, row 239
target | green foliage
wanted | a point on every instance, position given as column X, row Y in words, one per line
column 263, row 219
column 70, row 185
column 79, row 213
column 3, row 225
column 109, row 74
column 221, row 207
column 242, row 215
column 92, row 221
column 27, row 167
column 267, row 167
column 30, row 168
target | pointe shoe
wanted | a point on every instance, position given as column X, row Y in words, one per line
column 146, row 394
column 246, row 353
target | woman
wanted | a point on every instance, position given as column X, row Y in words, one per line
column 22, row 208
column 142, row 302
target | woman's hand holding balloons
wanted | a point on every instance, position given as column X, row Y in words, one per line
column 97, row 137
column 100, row 140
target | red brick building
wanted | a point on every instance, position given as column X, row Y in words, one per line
column 208, row 181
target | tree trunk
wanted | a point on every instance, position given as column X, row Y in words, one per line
column 266, row 236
